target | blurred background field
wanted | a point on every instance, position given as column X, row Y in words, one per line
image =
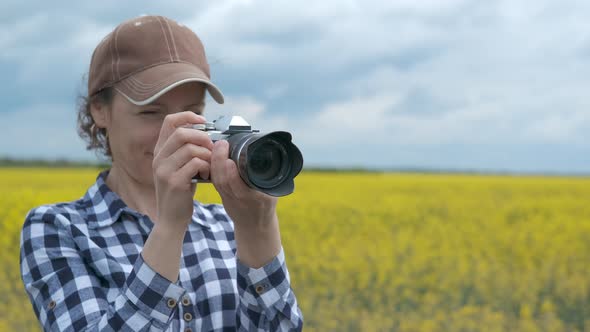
column 387, row 251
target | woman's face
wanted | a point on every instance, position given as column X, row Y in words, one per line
column 133, row 130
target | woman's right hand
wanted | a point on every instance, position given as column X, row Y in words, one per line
column 179, row 155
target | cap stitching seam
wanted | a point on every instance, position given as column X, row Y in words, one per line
column 141, row 69
column 111, row 46
column 172, row 38
column 210, row 87
column 153, row 65
column 117, row 53
column 140, row 87
column 146, row 92
column 166, row 38
column 172, row 75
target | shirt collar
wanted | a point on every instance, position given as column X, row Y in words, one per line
column 106, row 207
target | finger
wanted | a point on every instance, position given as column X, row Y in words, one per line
column 180, row 137
column 193, row 167
column 179, row 176
column 220, row 176
column 189, row 151
column 235, row 183
column 175, row 120
column 218, row 157
column 183, row 155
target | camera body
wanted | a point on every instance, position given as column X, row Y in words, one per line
column 266, row 162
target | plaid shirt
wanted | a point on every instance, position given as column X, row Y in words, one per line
column 82, row 268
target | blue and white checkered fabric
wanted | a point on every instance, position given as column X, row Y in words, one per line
column 82, row 270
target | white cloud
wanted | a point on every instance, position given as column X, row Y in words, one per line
column 68, row 45
column 246, row 106
column 251, row 109
column 45, row 130
column 349, row 121
column 568, row 128
column 276, row 91
column 327, row 33
column 14, row 34
column 486, row 116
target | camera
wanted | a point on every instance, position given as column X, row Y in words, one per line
column 267, row 162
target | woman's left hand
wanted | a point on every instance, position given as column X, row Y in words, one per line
column 253, row 212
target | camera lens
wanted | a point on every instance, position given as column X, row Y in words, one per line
column 268, row 163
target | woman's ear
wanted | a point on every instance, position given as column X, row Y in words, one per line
column 100, row 114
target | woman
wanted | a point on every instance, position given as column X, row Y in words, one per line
column 136, row 253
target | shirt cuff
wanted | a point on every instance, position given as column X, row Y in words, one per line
column 267, row 286
column 152, row 293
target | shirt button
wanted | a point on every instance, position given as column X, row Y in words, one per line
column 171, row 303
column 260, row 289
column 187, row 316
column 186, row 301
column 51, row 305
column 188, row 329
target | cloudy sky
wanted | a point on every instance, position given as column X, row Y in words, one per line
column 477, row 85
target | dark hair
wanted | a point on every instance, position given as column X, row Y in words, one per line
column 96, row 138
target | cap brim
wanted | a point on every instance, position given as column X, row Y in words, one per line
column 148, row 85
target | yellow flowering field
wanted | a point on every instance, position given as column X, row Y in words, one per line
column 390, row 252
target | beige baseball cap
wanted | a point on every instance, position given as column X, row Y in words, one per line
column 145, row 57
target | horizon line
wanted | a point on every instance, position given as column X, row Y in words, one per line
column 6, row 162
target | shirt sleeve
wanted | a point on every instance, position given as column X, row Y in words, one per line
column 267, row 302
column 67, row 296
